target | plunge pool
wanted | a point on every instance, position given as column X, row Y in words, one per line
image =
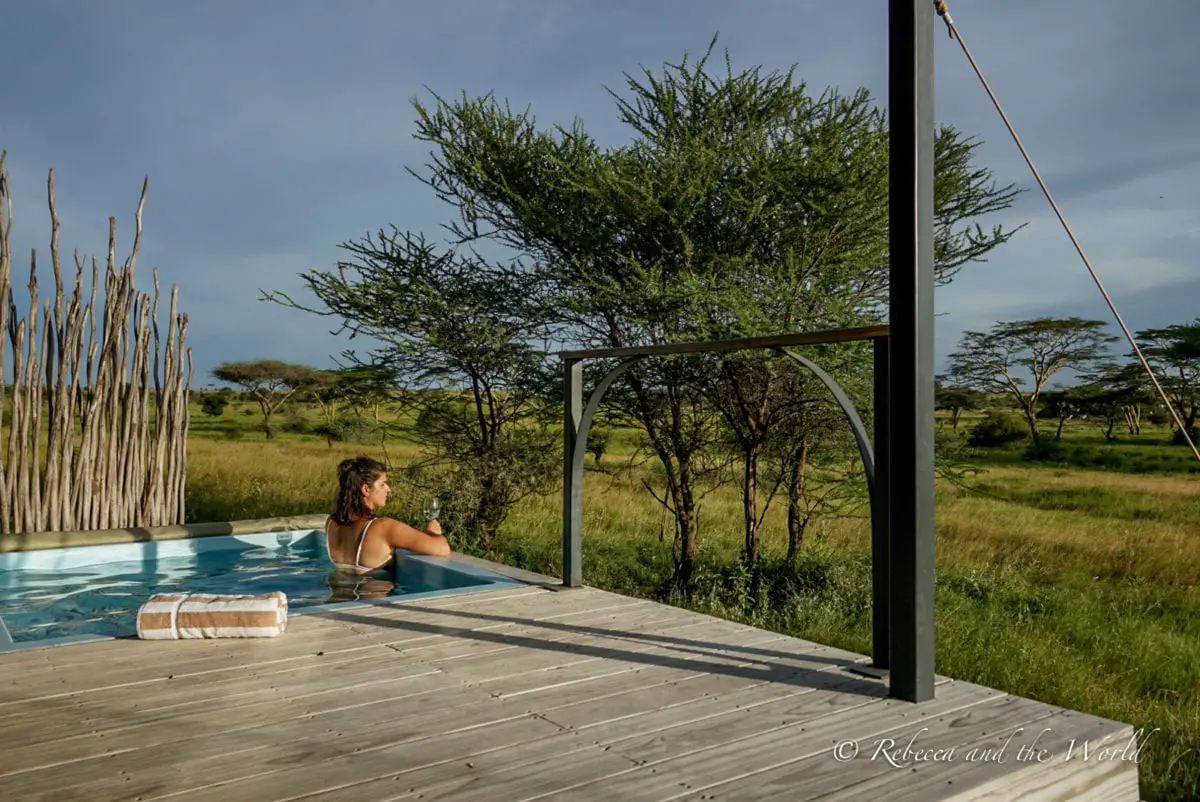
column 80, row 593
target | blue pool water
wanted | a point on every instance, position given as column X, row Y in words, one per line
column 96, row 590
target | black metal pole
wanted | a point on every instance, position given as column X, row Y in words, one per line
column 572, row 557
column 911, row 425
column 881, row 572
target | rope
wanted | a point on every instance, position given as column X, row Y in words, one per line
column 954, row 33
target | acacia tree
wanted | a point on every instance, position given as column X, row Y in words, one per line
column 1118, row 391
column 995, row 361
column 956, row 400
column 457, row 326
column 358, row 388
column 810, row 455
column 372, row 387
column 328, row 390
column 270, row 382
column 1063, row 404
column 742, row 205
column 1174, row 355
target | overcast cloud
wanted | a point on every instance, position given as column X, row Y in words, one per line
column 274, row 130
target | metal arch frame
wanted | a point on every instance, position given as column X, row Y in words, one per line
column 578, row 419
column 856, row 425
column 578, row 454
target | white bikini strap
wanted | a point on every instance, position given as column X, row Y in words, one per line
column 362, row 539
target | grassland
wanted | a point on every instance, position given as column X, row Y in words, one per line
column 1072, row 585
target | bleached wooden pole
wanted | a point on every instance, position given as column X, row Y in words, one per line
column 115, row 448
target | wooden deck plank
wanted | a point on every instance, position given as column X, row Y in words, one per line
column 777, row 774
column 219, row 682
column 589, row 758
column 159, row 662
column 47, row 719
column 119, row 655
column 529, row 781
column 314, row 697
column 264, row 721
column 641, row 712
column 583, row 695
column 730, row 661
column 202, row 782
column 519, row 693
column 242, row 752
column 1001, row 773
column 128, row 661
column 1103, row 775
column 380, row 766
column 689, row 757
column 119, row 730
column 343, row 777
column 259, row 696
column 980, row 731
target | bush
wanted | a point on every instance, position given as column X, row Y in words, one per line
column 298, row 425
column 478, row 493
column 1049, row 451
column 346, row 429
column 999, row 428
column 214, row 404
column 597, row 442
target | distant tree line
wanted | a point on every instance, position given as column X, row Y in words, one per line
column 1014, row 362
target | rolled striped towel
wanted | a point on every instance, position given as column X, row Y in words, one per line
column 175, row 616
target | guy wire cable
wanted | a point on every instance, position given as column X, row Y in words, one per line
column 944, row 13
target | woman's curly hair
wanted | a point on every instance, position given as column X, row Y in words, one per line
column 352, row 475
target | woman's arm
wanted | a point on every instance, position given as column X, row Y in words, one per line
column 402, row 536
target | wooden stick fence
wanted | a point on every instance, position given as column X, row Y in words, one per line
column 116, row 446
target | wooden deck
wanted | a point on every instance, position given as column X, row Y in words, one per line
column 524, row 693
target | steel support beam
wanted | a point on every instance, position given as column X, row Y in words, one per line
column 881, row 572
column 572, row 568
column 910, row 426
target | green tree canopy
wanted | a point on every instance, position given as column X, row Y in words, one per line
column 741, row 204
column 1173, row 353
column 457, row 328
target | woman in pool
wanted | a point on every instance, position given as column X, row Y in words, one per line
column 359, row 542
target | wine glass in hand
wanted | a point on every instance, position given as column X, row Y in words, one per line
column 431, row 509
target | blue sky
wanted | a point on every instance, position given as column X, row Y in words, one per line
column 273, row 130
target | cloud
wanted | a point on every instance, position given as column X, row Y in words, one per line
column 274, row 130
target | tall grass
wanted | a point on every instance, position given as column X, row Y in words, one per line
column 1073, row 587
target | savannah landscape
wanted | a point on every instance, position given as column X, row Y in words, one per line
column 1067, row 522
column 1067, row 583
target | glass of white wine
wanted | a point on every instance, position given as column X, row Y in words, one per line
column 431, row 509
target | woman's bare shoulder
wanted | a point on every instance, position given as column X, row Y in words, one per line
column 402, row 535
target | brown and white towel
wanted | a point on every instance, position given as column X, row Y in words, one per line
column 174, row 616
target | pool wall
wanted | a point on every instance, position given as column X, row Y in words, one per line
column 38, row 541
column 55, row 551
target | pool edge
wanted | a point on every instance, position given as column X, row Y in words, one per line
column 40, row 541
column 509, row 577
